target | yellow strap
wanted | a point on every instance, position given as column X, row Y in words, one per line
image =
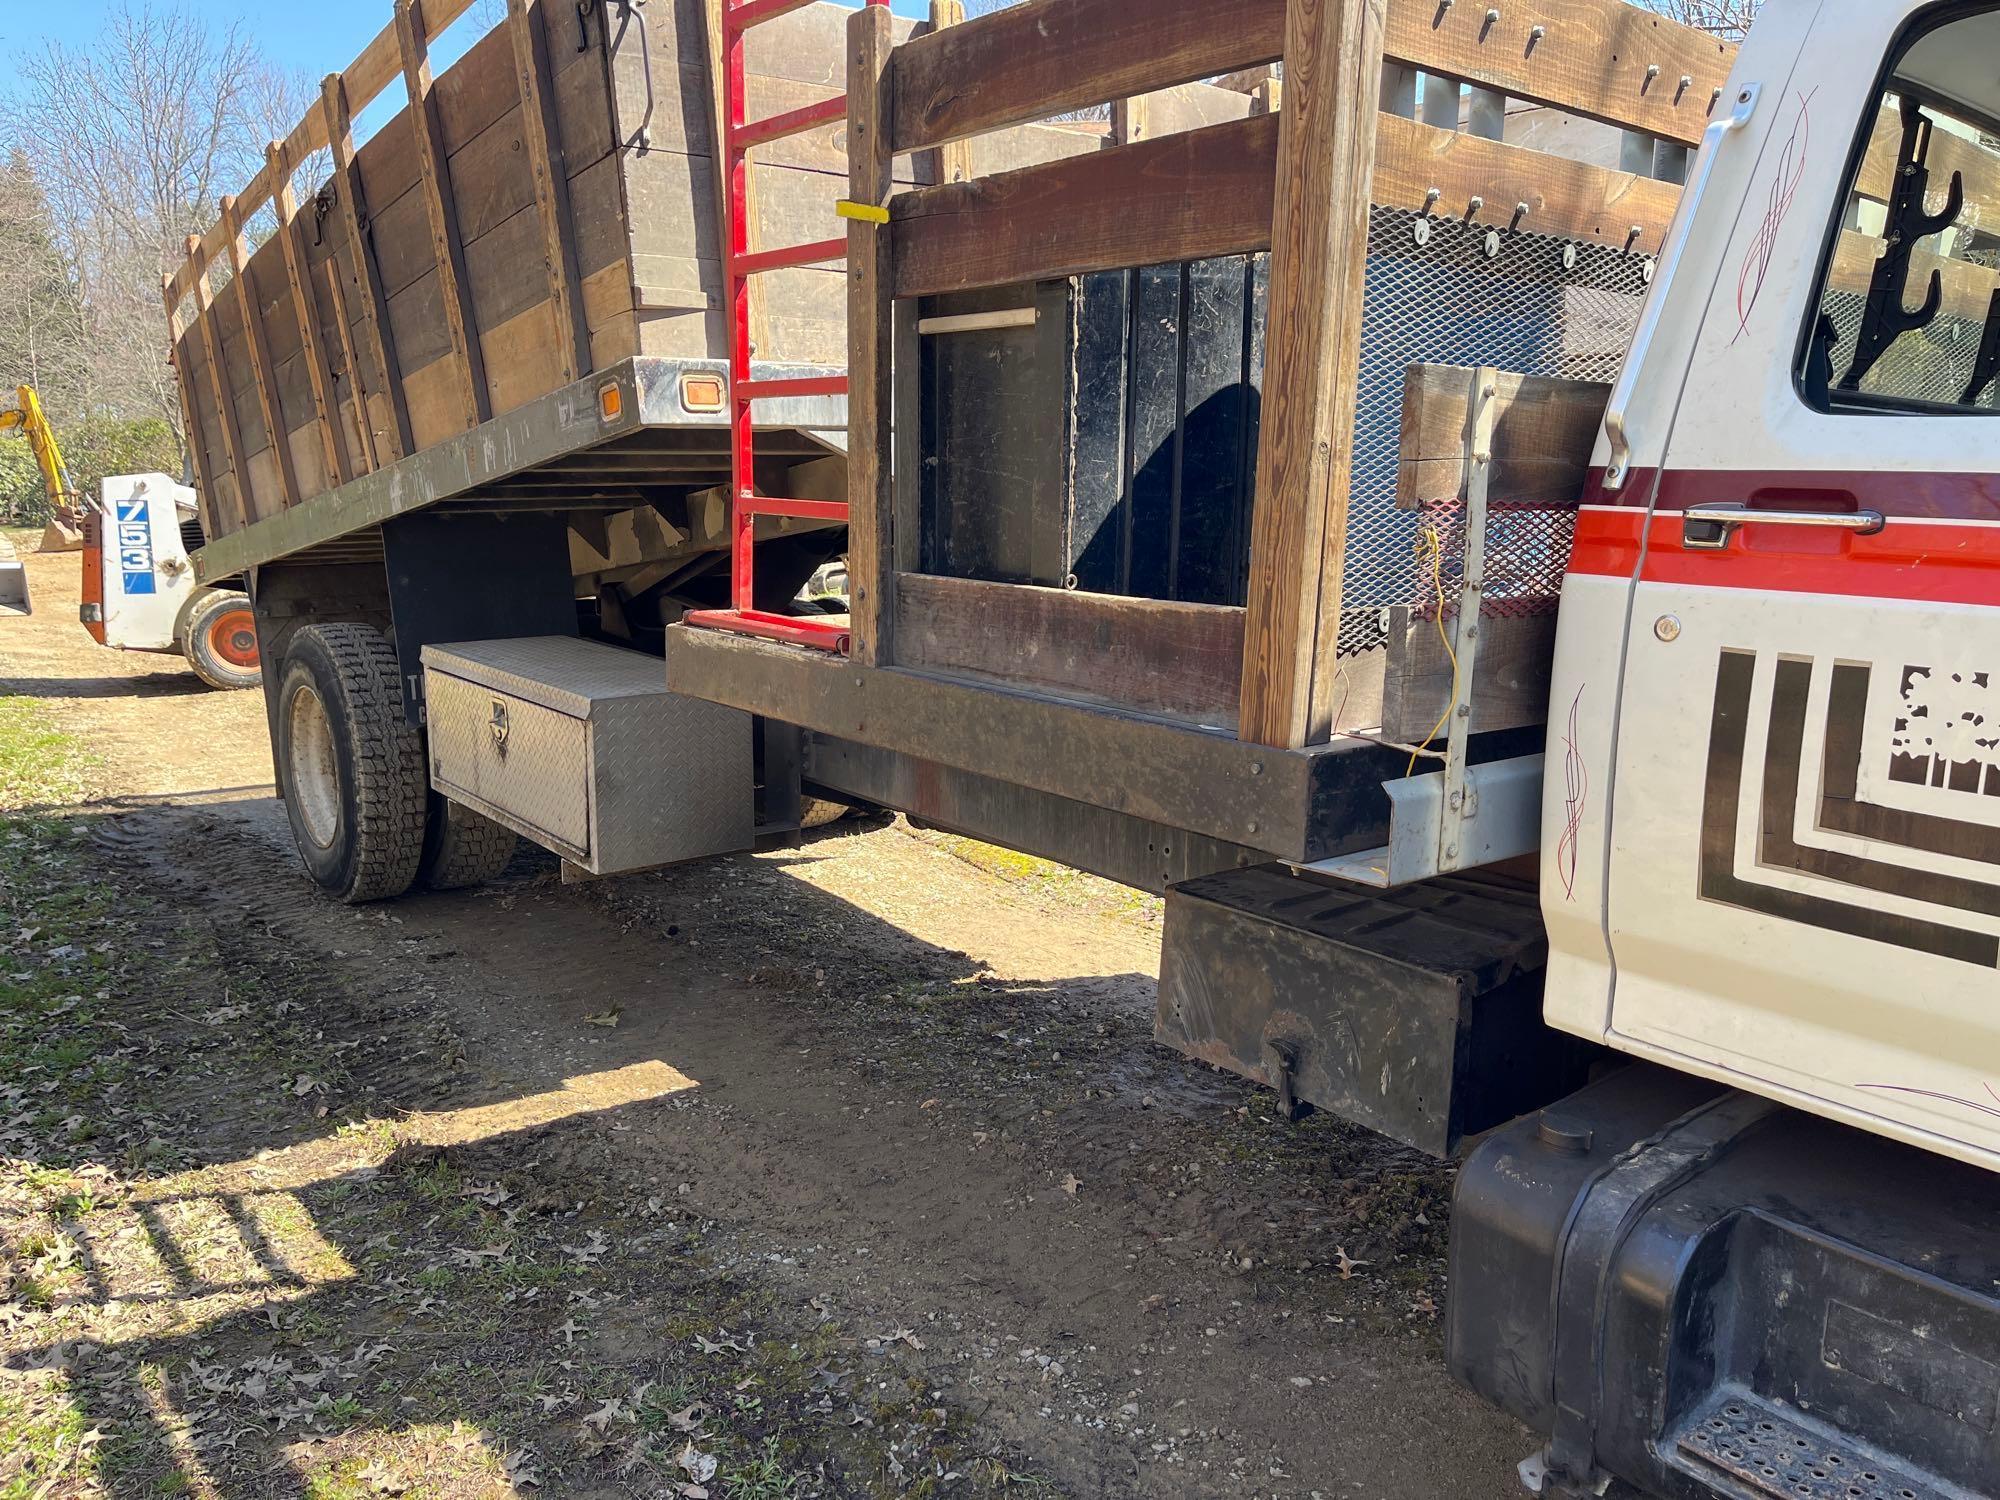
column 868, row 213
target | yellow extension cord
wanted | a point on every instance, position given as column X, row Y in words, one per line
column 1430, row 550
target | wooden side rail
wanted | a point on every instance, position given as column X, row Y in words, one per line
column 436, row 280
column 1300, row 181
column 1604, row 59
column 1210, row 191
column 1179, row 197
column 379, row 65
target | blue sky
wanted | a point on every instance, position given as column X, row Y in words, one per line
column 315, row 35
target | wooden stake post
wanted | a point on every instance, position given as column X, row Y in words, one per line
column 544, row 140
column 448, row 248
column 285, row 202
column 218, row 382
column 261, row 368
column 871, row 550
column 1305, row 456
column 374, row 309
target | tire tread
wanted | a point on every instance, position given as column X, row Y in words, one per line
column 390, row 787
column 468, row 849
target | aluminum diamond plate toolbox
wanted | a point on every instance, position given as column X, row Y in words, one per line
column 581, row 747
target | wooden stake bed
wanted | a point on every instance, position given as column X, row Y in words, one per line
column 543, row 209
column 1029, row 661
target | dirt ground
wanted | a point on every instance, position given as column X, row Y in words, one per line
column 849, row 1169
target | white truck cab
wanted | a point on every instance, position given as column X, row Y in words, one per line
column 1771, row 847
column 1770, row 856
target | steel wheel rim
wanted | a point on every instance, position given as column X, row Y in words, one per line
column 232, row 636
column 315, row 770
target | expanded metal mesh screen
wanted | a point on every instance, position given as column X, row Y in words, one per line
column 1930, row 364
column 1469, row 294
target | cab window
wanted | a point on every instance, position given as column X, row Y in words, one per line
column 1908, row 316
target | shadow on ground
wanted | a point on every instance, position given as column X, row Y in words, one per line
column 273, row 1233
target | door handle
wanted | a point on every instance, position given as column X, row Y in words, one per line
column 1707, row 528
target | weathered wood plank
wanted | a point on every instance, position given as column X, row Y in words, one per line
column 1510, row 683
column 1048, row 57
column 1606, row 59
column 1564, row 197
column 317, row 365
column 363, row 79
column 1543, row 431
column 373, row 319
column 871, row 500
column 225, row 410
column 207, row 497
column 1298, row 805
column 1194, row 193
column 447, row 248
column 1179, row 197
column 1602, row 58
column 1152, row 655
column 545, row 159
column 1319, row 254
column 951, row 162
column 262, row 371
column 356, row 406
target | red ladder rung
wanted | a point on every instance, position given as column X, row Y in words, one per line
column 804, row 510
column 788, row 256
column 800, row 385
column 791, row 122
column 747, row 13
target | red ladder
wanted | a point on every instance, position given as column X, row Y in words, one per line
column 739, row 265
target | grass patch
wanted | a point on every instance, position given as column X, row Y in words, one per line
column 39, row 1437
column 40, row 765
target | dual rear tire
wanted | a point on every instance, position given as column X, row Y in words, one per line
column 366, row 824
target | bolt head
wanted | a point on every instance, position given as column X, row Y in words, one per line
column 1667, row 628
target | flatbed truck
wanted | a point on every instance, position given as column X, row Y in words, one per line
column 1497, row 521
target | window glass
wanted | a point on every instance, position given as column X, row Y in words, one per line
column 1908, row 317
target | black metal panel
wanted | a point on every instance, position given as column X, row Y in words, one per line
column 1702, row 1293
column 456, row 576
column 992, row 416
column 1110, row 448
column 1414, row 1012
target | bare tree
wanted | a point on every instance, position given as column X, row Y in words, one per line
column 132, row 140
column 42, row 340
column 1729, row 18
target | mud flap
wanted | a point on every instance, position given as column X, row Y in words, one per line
column 1698, row 1292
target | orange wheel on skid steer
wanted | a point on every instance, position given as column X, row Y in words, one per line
column 221, row 640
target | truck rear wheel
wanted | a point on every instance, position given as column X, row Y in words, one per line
column 220, row 640
column 351, row 765
column 461, row 847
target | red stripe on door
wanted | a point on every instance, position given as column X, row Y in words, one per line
column 1894, row 492
column 1920, row 561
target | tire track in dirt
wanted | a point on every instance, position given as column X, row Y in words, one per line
column 884, row 1180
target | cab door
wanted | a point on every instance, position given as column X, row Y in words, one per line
column 1802, row 879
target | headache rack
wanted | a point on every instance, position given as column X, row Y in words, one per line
column 1100, row 542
